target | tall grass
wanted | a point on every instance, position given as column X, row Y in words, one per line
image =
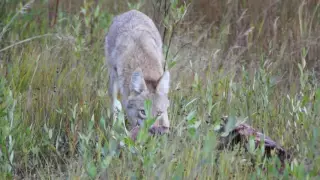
column 243, row 60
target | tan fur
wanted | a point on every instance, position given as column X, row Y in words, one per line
column 133, row 49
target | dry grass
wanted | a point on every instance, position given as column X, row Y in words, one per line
column 252, row 59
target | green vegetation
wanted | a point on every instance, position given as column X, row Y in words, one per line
column 256, row 61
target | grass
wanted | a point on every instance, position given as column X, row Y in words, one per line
column 54, row 110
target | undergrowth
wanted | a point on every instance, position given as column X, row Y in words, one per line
column 55, row 118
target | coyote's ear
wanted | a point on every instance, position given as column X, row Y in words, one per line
column 164, row 83
column 137, row 84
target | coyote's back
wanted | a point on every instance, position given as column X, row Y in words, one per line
column 133, row 49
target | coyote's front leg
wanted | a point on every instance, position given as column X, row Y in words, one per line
column 113, row 92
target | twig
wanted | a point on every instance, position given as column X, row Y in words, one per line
column 26, row 40
column 56, row 13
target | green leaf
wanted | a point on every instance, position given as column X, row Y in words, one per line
column 197, row 124
column 147, row 108
column 106, row 162
column 172, row 64
column 74, row 112
column 209, row 144
column 11, row 156
column 192, row 115
column 97, row 11
column 192, row 131
column 91, row 123
column 142, row 135
column 102, row 122
column 50, row 133
column 128, row 141
column 178, row 172
column 3, row 113
column 251, row 148
column 217, row 127
column 92, row 170
column 231, row 124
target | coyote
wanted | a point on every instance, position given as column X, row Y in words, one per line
column 133, row 49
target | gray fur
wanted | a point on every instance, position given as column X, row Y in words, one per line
column 133, row 49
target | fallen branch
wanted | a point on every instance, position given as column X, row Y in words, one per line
column 241, row 132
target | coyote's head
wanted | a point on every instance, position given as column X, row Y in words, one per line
column 159, row 98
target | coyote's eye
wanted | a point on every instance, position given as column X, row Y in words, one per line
column 142, row 112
